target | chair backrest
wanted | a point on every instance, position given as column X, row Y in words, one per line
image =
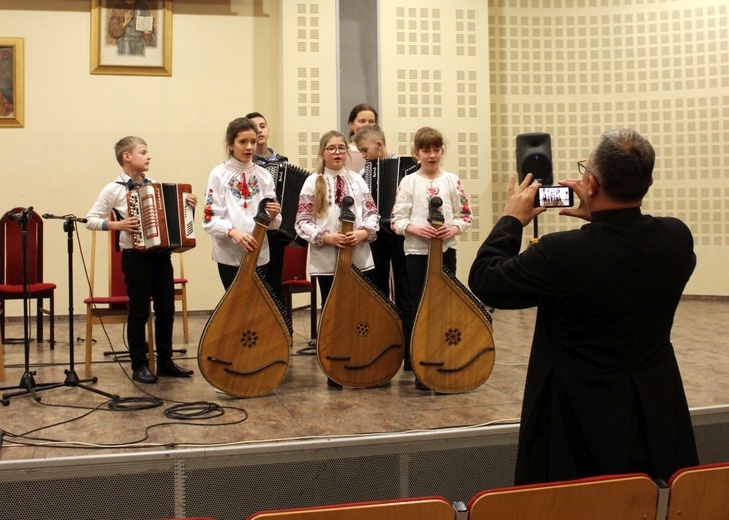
column 600, row 498
column 294, row 263
column 116, row 284
column 11, row 239
column 699, row 492
column 423, row 508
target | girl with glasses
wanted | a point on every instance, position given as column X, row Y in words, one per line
column 317, row 219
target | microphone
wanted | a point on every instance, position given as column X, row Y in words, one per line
column 71, row 218
column 21, row 215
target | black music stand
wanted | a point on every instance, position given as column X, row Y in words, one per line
column 27, row 385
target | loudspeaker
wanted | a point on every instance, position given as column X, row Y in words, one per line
column 534, row 155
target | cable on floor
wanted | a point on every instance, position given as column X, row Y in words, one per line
column 128, row 404
column 195, row 410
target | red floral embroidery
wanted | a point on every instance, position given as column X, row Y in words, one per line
column 243, row 189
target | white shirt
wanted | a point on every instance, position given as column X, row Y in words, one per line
column 411, row 207
column 228, row 206
column 113, row 197
column 323, row 258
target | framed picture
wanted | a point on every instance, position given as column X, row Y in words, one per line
column 11, row 82
column 131, row 37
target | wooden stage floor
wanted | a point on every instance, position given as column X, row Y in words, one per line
column 71, row 421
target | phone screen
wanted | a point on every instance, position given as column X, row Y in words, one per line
column 554, row 197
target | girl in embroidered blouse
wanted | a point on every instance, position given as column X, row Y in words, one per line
column 317, row 219
column 234, row 191
column 411, row 210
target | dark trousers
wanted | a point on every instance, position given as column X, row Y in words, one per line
column 389, row 254
column 325, row 286
column 149, row 274
column 228, row 273
column 417, row 266
column 274, row 272
column 326, row 282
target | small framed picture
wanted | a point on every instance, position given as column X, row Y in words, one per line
column 131, row 37
column 11, row 83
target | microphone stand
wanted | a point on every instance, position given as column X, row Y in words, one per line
column 72, row 378
column 27, row 383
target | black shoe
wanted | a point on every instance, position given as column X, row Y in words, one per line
column 144, row 375
column 333, row 384
column 421, row 386
column 172, row 370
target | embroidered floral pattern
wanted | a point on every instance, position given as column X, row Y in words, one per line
column 305, row 213
column 463, row 199
column 208, row 211
column 370, row 208
column 431, row 190
column 243, row 186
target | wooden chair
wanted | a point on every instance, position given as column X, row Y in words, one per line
column 11, row 270
column 629, row 496
column 112, row 308
column 293, row 280
column 699, row 492
column 181, row 296
column 423, row 508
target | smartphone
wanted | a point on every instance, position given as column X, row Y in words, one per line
column 554, row 197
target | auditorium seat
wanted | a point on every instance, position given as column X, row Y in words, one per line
column 421, row 508
column 609, row 497
column 699, row 492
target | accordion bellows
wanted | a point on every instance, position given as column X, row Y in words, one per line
column 288, row 179
column 383, row 176
column 167, row 221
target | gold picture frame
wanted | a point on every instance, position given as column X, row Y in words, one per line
column 131, row 37
column 12, row 87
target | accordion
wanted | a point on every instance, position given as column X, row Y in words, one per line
column 167, row 222
column 383, row 176
column 288, row 180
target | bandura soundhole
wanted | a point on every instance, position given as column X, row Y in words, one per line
column 249, row 339
column 362, row 329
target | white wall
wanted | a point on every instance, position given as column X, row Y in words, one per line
column 494, row 82
column 64, row 155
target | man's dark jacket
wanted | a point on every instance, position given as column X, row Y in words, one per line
column 603, row 392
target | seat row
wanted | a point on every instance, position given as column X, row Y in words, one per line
column 700, row 492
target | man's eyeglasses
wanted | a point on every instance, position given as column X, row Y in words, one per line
column 583, row 169
column 336, row 149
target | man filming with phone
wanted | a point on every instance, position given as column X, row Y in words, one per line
column 603, row 392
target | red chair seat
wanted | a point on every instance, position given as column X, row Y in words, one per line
column 296, row 283
column 34, row 288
